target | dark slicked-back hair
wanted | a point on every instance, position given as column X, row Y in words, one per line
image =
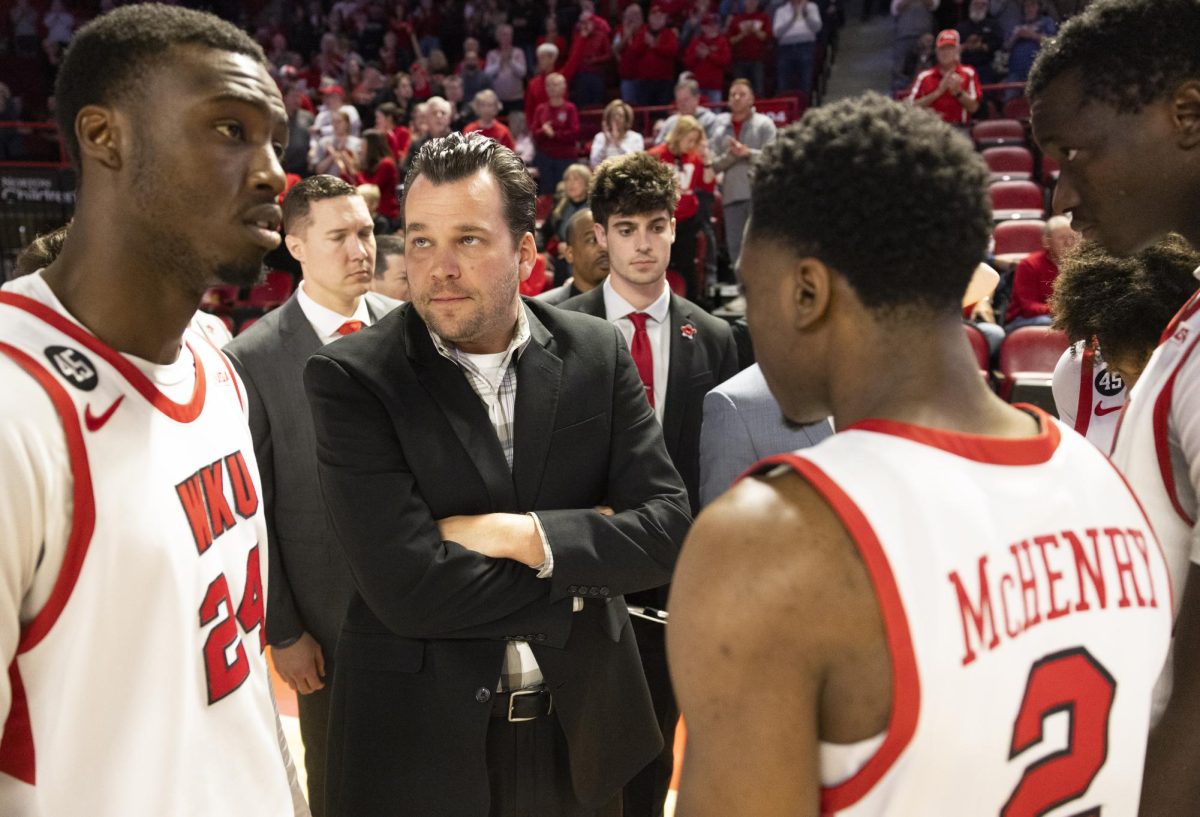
column 386, row 245
column 298, row 202
column 631, row 185
column 886, row 194
column 461, row 155
column 112, row 56
column 1123, row 302
column 1127, row 52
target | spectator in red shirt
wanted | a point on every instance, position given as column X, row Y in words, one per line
column 949, row 88
column 682, row 150
column 707, row 57
column 399, row 137
column 750, row 37
column 379, row 169
column 1033, row 281
column 555, row 39
column 487, row 105
column 593, row 38
column 632, row 21
column 656, row 46
column 555, row 129
column 535, row 92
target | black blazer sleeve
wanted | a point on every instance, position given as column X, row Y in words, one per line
column 417, row 584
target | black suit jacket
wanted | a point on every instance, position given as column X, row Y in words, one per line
column 701, row 359
column 309, row 587
column 402, row 441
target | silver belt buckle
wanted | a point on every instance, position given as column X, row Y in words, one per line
column 512, row 696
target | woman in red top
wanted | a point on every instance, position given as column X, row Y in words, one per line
column 379, row 169
column 682, row 150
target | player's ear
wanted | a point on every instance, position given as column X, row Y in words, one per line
column 811, row 285
column 99, row 130
column 1185, row 113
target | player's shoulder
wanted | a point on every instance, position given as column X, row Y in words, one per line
column 28, row 417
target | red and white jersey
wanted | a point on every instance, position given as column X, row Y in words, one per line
column 1158, row 441
column 137, row 683
column 1027, row 611
column 1088, row 395
column 946, row 106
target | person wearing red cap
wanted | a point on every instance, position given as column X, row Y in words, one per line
column 950, row 88
column 655, row 46
column 334, row 99
column 708, row 56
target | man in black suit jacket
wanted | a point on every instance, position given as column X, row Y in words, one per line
column 329, row 231
column 497, row 481
column 682, row 353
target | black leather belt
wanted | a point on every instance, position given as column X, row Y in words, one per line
column 523, row 704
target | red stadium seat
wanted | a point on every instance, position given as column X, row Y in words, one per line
column 1017, row 108
column 1017, row 199
column 1049, row 170
column 979, row 346
column 228, row 321
column 1027, row 360
column 1018, row 237
column 1008, row 163
column 992, row 133
column 544, row 205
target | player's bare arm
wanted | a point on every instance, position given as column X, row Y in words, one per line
column 776, row 642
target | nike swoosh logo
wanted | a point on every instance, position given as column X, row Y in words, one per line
column 1102, row 409
column 94, row 423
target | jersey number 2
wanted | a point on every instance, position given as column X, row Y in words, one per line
column 224, row 675
column 1071, row 681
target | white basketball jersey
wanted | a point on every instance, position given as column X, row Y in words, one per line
column 1088, row 395
column 1147, row 448
column 1027, row 611
column 140, row 688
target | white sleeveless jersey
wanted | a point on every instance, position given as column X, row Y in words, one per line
column 1088, row 395
column 140, row 688
column 1148, row 450
column 1027, row 611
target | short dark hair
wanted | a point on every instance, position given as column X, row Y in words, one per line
column 631, row 185
column 298, row 202
column 1123, row 302
column 386, row 245
column 1128, row 52
column 460, row 155
column 389, row 109
column 576, row 218
column 111, row 57
column 885, row 193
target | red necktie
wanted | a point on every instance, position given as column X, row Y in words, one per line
column 349, row 328
column 642, row 357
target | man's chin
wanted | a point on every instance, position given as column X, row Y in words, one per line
column 243, row 274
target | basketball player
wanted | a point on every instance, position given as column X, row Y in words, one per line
column 1113, row 310
column 1115, row 100
column 132, row 572
column 881, row 624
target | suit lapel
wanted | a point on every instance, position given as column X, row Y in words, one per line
column 298, row 337
column 592, row 303
column 463, row 409
column 682, row 351
column 539, row 378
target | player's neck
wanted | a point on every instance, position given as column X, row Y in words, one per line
column 119, row 294
column 933, row 380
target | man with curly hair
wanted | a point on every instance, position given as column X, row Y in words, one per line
column 1113, row 311
column 866, row 627
column 1115, row 100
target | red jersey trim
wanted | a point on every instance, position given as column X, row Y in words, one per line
column 182, row 412
column 1033, row 450
column 83, row 519
column 1150, row 530
column 18, row 756
column 1189, row 308
column 1162, row 445
column 224, row 358
column 1083, row 409
column 906, row 683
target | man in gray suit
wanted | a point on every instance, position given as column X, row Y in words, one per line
column 742, row 425
column 741, row 135
column 329, row 231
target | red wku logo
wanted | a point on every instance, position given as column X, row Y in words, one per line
column 203, row 498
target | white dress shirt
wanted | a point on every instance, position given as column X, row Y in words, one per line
column 658, row 329
column 324, row 321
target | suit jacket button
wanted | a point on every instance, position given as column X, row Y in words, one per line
column 541, row 637
column 572, row 589
column 604, row 591
column 483, row 695
column 595, row 591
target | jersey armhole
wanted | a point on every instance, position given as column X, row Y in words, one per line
column 83, row 516
column 1161, row 418
column 906, row 685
